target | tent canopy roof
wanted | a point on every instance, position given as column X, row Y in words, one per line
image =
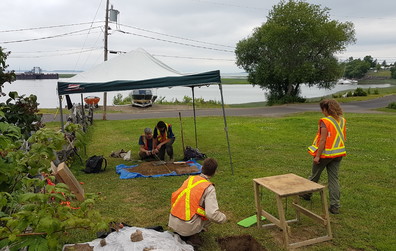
column 133, row 70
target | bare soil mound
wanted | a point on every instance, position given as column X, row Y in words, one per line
column 241, row 243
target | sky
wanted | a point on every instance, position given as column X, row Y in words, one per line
column 188, row 35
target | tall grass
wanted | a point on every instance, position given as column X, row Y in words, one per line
column 260, row 147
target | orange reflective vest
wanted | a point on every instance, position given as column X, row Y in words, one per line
column 335, row 140
column 163, row 136
column 146, row 143
column 185, row 201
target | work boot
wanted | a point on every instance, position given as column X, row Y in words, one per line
column 334, row 210
column 306, row 196
column 195, row 241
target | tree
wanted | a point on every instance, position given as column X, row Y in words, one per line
column 369, row 59
column 34, row 212
column 296, row 45
column 5, row 76
column 393, row 72
column 356, row 68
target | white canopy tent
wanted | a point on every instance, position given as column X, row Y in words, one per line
column 138, row 70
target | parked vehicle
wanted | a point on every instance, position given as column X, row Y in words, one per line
column 142, row 98
column 91, row 100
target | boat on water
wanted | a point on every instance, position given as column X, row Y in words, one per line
column 345, row 81
column 91, row 100
column 36, row 73
column 142, row 98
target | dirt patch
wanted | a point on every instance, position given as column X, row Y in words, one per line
column 300, row 232
column 78, row 247
column 240, row 243
column 155, row 168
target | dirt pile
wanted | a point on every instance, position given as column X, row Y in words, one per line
column 155, row 168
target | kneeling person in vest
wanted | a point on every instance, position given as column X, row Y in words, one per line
column 164, row 138
column 147, row 144
column 191, row 218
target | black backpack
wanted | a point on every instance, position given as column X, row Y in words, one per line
column 94, row 164
column 193, row 153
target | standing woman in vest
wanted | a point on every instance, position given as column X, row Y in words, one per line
column 328, row 149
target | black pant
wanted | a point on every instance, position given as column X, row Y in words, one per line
column 168, row 147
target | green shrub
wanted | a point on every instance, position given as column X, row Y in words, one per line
column 22, row 112
column 392, row 105
column 119, row 100
column 349, row 94
column 275, row 99
column 359, row 92
column 187, row 99
column 376, row 91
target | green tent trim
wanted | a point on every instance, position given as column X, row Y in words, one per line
column 76, row 87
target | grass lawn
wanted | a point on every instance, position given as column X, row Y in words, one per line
column 234, row 81
column 260, row 147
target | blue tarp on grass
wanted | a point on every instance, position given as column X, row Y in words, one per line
column 127, row 174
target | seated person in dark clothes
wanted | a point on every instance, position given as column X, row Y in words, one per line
column 147, row 144
column 164, row 139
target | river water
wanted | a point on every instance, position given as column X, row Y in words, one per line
column 46, row 92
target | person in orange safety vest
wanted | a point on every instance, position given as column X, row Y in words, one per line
column 164, row 139
column 328, row 149
column 194, row 205
column 147, row 144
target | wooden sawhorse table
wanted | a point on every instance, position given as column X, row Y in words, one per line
column 284, row 186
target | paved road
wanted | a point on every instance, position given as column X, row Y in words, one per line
column 270, row 111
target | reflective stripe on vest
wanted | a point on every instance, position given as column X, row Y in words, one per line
column 162, row 137
column 335, row 146
column 145, row 142
column 185, row 201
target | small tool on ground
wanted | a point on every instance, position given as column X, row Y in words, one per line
column 161, row 162
column 249, row 221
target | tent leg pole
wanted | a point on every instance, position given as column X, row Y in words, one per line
column 104, row 105
column 225, row 127
column 82, row 107
column 195, row 120
column 61, row 114
column 83, row 111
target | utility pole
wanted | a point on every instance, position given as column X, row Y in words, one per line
column 105, row 55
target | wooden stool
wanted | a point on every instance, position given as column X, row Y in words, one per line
column 291, row 185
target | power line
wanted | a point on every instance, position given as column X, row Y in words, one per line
column 48, row 37
column 173, row 56
column 48, row 27
column 169, row 41
column 86, row 37
column 188, row 39
column 57, row 55
column 215, row 59
column 230, row 5
column 71, row 49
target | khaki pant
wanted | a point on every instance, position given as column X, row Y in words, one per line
column 332, row 166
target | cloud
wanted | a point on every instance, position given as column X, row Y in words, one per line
column 219, row 24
